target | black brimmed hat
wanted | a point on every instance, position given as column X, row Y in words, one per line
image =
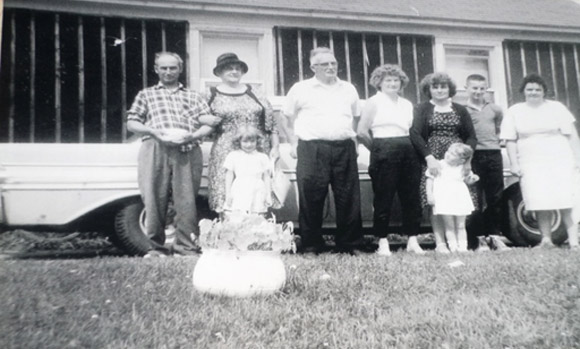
column 228, row 58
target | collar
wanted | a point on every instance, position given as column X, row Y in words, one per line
column 315, row 82
column 443, row 109
column 387, row 99
column 476, row 107
column 160, row 86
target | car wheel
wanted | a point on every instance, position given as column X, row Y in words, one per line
column 130, row 227
column 523, row 226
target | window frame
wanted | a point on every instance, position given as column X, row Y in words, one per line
column 264, row 47
column 497, row 82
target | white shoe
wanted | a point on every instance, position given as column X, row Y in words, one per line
column 497, row 244
column 442, row 249
column 413, row 245
column 462, row 246
column 482, row 245
column 384, row 248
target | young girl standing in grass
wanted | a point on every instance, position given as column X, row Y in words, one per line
column 248, row 173
column 448, row 194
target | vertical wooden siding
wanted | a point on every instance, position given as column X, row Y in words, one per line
column 70, row 78
column 557, row 63
column 358, row 54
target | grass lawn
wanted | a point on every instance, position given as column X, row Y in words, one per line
column 517, row 299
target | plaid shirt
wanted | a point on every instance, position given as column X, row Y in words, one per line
column 161, row 108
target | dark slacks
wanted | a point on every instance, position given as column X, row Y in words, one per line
column 487, row 164
column 395, row 168
column 164, row 171
column 320, row 164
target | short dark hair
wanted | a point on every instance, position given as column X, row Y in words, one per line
column 381, row 72
column 438, row 79
column 171, row 54
column 475, row 77
column 534, row 78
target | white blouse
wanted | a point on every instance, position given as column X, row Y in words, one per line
column 392, row 118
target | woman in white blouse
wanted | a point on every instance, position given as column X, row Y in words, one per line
column 544, row 151
column 394, row 163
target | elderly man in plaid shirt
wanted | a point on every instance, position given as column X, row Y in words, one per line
column 167, row 116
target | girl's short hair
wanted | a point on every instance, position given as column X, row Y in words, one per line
column 438, row 79
column 381, row 72
column 534, row 78
column 248, row 132
column 461, row 151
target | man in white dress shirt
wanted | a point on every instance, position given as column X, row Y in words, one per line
column 323, row 113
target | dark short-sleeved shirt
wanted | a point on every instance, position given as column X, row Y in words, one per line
column 486, row 122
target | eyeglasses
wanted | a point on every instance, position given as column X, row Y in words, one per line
column 326, row 64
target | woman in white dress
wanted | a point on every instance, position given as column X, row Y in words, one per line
column 544, row 151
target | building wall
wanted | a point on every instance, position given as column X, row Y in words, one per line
column 199, row 33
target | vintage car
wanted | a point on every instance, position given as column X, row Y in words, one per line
column 90, row 187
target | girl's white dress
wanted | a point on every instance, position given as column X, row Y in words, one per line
column 544, row 153
column 248, row 189
column 450, row 191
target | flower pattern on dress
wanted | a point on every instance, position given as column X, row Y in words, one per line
column 235, row 110
column 443, row 133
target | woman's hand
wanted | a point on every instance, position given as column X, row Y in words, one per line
column 228, row 202
column 294, row 150
column 430, row 200
column 471, row 178
column 274, row 153
column 515, row 169
column 433, row 165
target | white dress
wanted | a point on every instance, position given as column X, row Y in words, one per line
column 544, row 153
column 450, row 191
column 248, row 189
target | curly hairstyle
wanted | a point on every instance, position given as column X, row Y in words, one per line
column 248, row 132
column 461, row 151
column 381, row 72
column 533, row 78
column 438, row 79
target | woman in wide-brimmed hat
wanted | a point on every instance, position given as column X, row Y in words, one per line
column 237, row 105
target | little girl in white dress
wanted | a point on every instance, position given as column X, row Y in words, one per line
column 448, row 194
column 248, row 174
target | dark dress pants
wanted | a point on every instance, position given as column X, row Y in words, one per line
column 487, row 164
column 320, row 164
column 395, row 168
column 164, row 172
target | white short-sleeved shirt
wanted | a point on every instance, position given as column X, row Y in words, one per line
column 392, row 118
column 522, row 121
column 323, row 112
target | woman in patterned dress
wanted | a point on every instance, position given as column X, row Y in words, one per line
column 237, row 105
column 437, row 124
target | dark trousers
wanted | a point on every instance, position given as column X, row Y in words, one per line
column 164, row 171
column 395, row 168
column 487, row 164
column 320, row 164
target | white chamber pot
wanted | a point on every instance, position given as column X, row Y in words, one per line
column 239, row 273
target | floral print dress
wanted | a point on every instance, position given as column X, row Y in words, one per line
column 443, row 126
column 235, row 110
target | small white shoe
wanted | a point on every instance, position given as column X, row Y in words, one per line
column 462, row 246
column 384, row 248
column 442, row 248
column 497, row 244
column 413, row 245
